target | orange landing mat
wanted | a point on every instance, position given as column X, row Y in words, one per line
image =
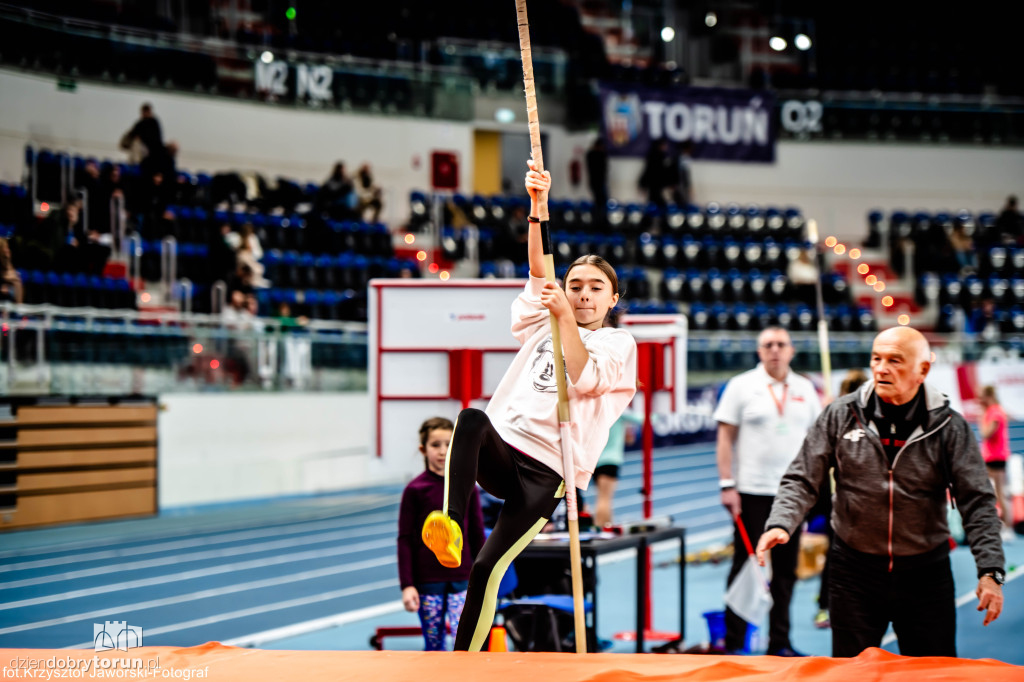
column 214, row 661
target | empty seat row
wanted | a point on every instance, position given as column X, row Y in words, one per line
column 65, row 289
column 328, row 304
column 348, row 270
column 713, row 219
column 965, row 291
column 741, row 317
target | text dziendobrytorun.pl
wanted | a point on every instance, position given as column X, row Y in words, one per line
column 96, row 667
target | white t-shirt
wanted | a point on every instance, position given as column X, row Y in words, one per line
column 771, row 429
column 524, row 407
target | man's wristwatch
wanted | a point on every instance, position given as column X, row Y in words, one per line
column 726, row 483
column 997, row 575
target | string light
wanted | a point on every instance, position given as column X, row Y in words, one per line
column 887, row 301
column 444, row 275
column 410, row 238
column 870, row 280
column 863, row 268
column 433, row 267
column 214, row 364
column 903, row 319
column 197, row 348
column 421, row 256
column 840, row 249
column 831, row 241
column 854, row 254
column 879, row 287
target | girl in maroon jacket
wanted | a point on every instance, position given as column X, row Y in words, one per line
column 436, row 592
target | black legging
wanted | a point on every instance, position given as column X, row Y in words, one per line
column 754, row 513
column 531, row 492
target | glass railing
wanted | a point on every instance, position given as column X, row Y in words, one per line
column 716, row 355
column 902, row 117
column 86, row 351
column 499, row 66
column 74, row 351
column 74, row 48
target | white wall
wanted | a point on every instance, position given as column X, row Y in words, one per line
column 217, row 134
column 223, row 448
column 838, row 183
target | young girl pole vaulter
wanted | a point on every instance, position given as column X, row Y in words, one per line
column 512, row 448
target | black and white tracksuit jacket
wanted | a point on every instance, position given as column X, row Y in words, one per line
column 899, row 509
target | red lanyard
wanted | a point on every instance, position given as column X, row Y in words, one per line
column 780, row 405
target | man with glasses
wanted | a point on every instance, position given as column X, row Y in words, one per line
column 762, row 417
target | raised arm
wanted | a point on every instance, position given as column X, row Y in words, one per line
column 538, row 185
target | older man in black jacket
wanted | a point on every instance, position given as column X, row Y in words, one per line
column 896, row 447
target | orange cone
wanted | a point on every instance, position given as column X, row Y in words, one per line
column 497, row 642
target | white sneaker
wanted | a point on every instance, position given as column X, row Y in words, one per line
column 1007, row 535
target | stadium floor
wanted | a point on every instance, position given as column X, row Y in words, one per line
column 319, row 573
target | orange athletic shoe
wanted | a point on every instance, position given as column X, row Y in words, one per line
column 444, row 538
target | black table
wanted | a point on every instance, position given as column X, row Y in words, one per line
column 590, row 549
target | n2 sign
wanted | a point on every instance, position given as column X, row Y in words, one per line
column 802, row 117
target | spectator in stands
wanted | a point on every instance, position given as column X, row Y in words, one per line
column 250, row 253
column 146, row 131
column 512, row 238
column 92, row 250
column 995, row 450
column 803, row 275
column 597, row 173
column 684, row 181
column 49, row 246
column 240, row 318
column 10, row 280
column 368, row 194
column 241, row 280
column 659, row 172
column 223, row 256
column 984, row 321
column 963, row 248
column 1009, row 223
column 336, row 195
column 150, row 204
column 87, row 181
column 287, row 320
column 111, row 183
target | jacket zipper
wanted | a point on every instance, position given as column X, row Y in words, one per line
column 891, row 487
column 891, row 467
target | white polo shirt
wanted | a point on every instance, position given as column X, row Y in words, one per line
column 773, row 417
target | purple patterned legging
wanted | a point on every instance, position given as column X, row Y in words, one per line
column 439, row 613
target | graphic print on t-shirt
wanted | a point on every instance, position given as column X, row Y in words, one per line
column 543, row 368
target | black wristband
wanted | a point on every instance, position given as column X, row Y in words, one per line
column 533, row 219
